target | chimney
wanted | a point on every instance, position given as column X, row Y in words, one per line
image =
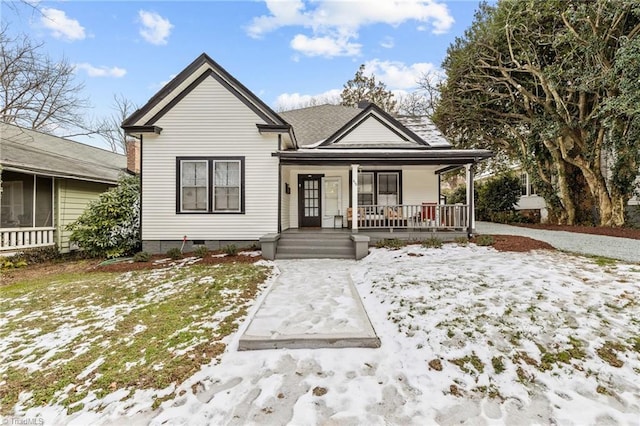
column 133, row 155
column 363, row 104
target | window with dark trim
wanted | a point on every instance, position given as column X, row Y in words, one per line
column 379, row 188
column 210, row 184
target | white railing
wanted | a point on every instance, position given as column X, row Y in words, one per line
column 413, row 216
column 21, row 238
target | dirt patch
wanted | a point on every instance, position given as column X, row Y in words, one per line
column 162, row 261
column 518, row 244
column 41, row 270
column 632, row 233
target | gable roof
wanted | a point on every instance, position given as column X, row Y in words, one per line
column 31, row 151
column 316, row 123
column 323, row 124
column 202, row 67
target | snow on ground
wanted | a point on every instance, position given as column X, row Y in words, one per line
column 469, row 335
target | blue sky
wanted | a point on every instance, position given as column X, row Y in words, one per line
column 281, row 50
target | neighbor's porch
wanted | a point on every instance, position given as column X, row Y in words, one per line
column 26, row 213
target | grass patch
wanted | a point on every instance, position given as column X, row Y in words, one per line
column 139, row 330
column 469, row 362
column 484, row 240
column 604, row 261
column 608, row 353
column 433, row 242
column 390, row 243
column 497, row 364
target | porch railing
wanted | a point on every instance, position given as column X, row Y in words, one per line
column 413, row 216
column 21, row 238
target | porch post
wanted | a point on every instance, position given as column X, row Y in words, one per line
column 470, row 189
column 354, row 197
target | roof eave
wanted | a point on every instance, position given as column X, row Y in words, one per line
column 136, row 130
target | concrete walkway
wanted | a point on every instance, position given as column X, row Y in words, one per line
column 312, row 304
column 625, row 249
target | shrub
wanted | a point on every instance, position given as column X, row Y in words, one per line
column 174, row 253
column 499, row 194
column 230, row 250
column 141, row 256
column 110, row 226
column 461, row 241
column 40, row 255
column 201, row 251
column 433, row 242
column 390, row 243
column 12, row 262
column 484, row 240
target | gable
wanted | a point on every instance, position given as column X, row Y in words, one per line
column 200, row 69
column 374, row 128
column 209, row 105
column 375, row 132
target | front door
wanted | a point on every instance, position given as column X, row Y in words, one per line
column 309, row 200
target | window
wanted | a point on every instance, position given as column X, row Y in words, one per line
column 210, row 185
column 194, row 185
column 365, row 189
column 526, row 187
column 227, row 185
column 523, row 183
column 388, row 189
column 26, row 200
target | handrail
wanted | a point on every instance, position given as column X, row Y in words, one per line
column 26, row 237
column 414, row 216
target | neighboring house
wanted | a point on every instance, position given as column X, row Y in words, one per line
column 534, row 206
column 47, row 182
column 219, row 166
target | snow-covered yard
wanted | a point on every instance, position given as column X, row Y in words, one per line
column 469, row 335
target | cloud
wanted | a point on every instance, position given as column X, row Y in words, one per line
column 61, row 25
column 326, row 18
column 397, row 75
column 324, row 46
column 387, row 43
column 155, row 29
column 287, row 101
column 101, row 71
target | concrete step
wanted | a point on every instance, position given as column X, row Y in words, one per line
column 307, row 235
column 315, row 243
column 316, row 250
column 314, row 256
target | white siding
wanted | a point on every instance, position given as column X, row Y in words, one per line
column 372, row 132
column 419, row 185
column 286, row 198
column 209, row 121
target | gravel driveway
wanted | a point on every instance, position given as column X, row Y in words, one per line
column 596, row 245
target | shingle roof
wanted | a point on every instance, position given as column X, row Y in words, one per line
column 32, row 151
column 315, row 124
column 424, row 127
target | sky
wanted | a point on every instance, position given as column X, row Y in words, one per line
column 283, row 50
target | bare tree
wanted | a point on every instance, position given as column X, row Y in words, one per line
column 36, row 91
column 423, row 101
column 109, row 128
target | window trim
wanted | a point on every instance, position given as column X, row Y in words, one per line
column 375, row 183
column 210, row 187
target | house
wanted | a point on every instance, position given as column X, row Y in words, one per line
column 47, row 182
column 218, row 166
